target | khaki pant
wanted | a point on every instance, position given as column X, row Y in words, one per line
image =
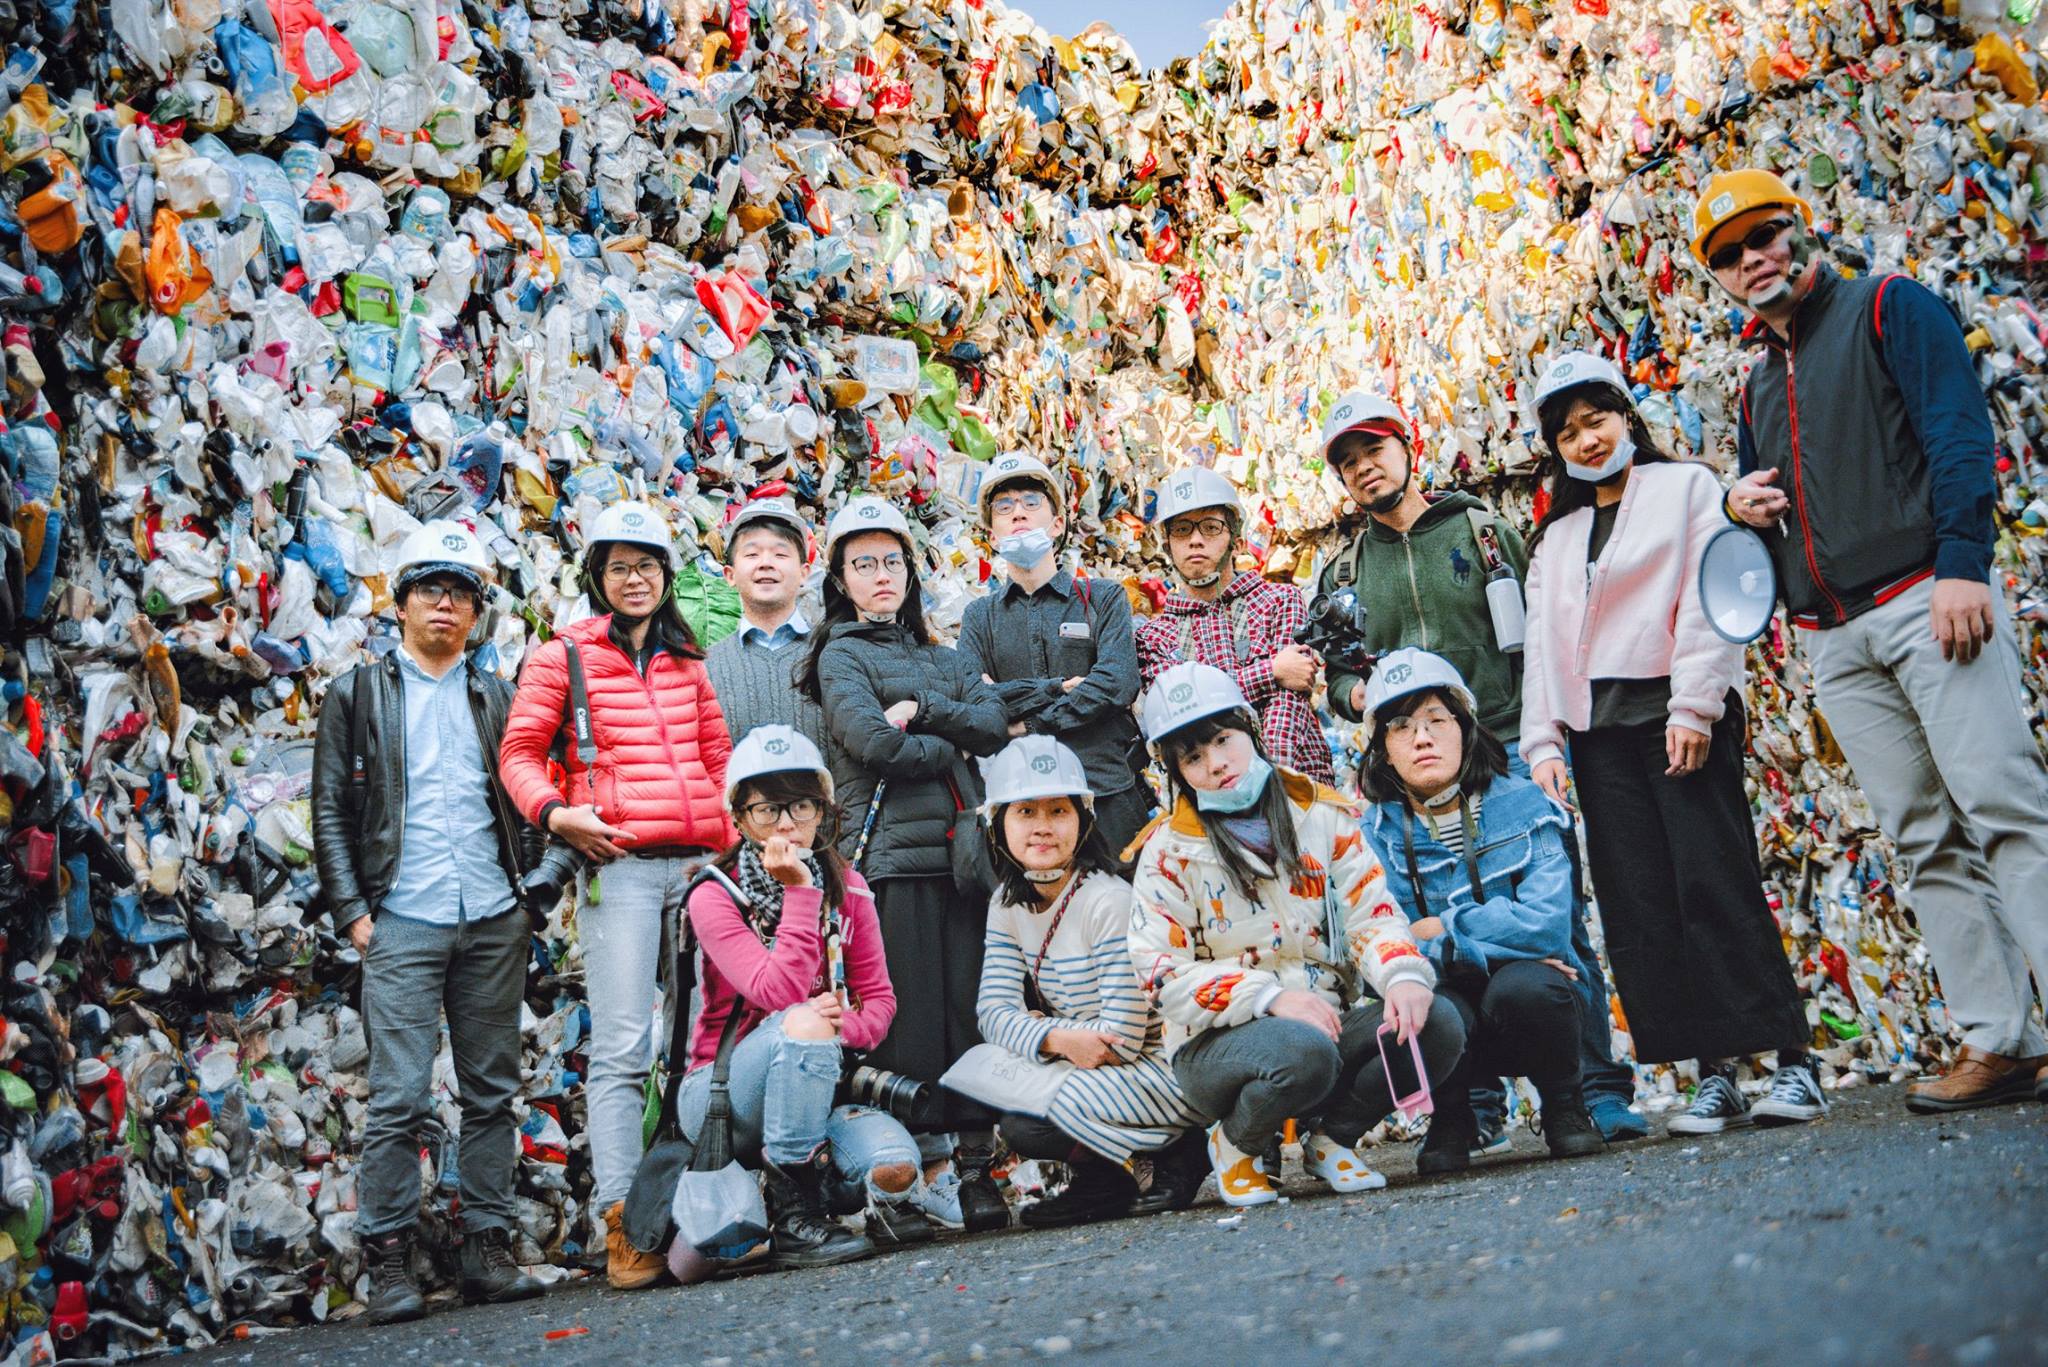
column 1946, row 757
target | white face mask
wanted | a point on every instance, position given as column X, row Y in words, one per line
column 1026, row 550
column 1617, row 460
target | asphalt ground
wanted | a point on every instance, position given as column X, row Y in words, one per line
column 1872, row 1236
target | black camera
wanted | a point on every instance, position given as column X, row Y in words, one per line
column 910, row 1101
column 1335, row 630
column 542, row 888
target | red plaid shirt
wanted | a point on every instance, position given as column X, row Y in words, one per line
column 1265, row 615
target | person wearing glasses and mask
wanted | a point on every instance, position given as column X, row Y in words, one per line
column 1623, row 666
column 1058, row 649
column 903, row 714
column 1238, row 623
column 647, row 811
column 1865, row 449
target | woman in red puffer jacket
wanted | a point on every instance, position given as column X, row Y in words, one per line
column 647, row 810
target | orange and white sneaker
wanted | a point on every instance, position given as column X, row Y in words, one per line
column 1241, row 1179
column 1341, row 1167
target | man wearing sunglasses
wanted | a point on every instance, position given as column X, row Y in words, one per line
column 403, row 787
column 1865, row 450
column 1238, row 622
column 1059, row 650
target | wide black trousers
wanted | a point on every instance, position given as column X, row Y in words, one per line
column 1696, row 954
column 932, row 937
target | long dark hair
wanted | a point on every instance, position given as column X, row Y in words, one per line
column 1568, row 495
column 789, row 787
column 839, row 608
column 1091, row 855
column 1485, row 758
column 1272, row 805
column 667, row 627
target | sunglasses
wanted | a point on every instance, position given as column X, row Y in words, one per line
column 1756, row 239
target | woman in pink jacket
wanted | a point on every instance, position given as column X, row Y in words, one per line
column 1622, row 668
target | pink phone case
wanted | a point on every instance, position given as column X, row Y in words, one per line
column 1417, row 1103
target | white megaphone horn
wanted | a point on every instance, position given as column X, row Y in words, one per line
column 1738, row 585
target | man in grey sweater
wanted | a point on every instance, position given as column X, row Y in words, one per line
column 766, row 549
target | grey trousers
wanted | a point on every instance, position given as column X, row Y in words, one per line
column 413, row 970
column 1945, row 755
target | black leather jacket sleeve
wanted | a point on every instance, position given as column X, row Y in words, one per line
column 334, row 825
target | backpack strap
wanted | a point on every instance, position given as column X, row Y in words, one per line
column 359, row 739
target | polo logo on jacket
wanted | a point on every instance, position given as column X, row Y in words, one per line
column 1461, row 568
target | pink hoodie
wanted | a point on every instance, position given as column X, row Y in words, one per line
column 1639, row 618
column 736, row 963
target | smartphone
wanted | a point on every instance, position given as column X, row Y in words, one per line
column 1407, row 1078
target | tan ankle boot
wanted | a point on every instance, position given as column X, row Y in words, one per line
column 626, row 1267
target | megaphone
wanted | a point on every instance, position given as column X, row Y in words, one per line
column 1738, row 585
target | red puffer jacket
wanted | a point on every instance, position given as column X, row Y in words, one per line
column 661, row 742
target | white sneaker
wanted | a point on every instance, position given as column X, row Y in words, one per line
column 1794, row 1099
column 939, row 1198
column 1241, row 1179
column 1716, row 1106
column 1344, row 1169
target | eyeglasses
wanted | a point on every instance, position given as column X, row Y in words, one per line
column 867, row 566
column 771, row 813
column 1755, row 240
column 1026, row 502
column 618, row 572
column 1208, row 526
column 1436, row 723
column 434, row 595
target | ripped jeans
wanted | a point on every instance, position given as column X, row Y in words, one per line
column 782, row 1110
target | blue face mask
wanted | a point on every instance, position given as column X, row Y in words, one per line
column 1026, row 549
column 1607, row 469
column 1241, row 797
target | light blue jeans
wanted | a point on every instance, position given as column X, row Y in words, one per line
column 782, row 1110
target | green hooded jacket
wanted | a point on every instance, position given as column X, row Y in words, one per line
column 1427, row 587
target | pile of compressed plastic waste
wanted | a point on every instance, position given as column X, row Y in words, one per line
column 280, row 279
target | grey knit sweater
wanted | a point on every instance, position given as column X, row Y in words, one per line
column 756, row 686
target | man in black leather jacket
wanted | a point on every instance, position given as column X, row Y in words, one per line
column 403, row 785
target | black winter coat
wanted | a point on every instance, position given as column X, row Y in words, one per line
column 866, row 668
column 359, row 800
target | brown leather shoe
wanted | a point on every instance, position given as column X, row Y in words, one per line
column 1979, row 1078
column 626, row 1267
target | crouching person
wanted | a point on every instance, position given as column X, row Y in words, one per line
column 1254, row 902
column 1479, row 861
column 403, row 787
column 1056, row 983
column 799, row 952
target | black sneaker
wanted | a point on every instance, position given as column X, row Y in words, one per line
column 1100, row 1190
column 489, row 1274
column 1717, row 1105
column 394, row 1292
column 1492, row 1137
column 1795, row 1098
column 1178, row 1172
column 1568, row 1129
column 982, row 1207
column 898, row 1224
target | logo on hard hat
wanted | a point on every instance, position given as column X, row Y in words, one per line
column 632, row 519
column 1722, row 204
column 454, row 542
column 871, row 511
column 1564, row 370
column 1399, row 674
column 1343, row 413
column 1180, row 693
column 1044, row 764
column 1184, row 489
column 775, row 746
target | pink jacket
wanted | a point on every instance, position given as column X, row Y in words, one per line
column 1639, row 617
column 736, row 963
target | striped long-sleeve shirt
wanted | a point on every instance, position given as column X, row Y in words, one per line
column 1087, row 982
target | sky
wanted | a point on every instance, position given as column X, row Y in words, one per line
column 1160, row 30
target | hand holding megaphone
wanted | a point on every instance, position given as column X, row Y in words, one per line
column 1757, row 501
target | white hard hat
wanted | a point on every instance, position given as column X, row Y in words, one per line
column 774, row 749
column 1013, row 466
column 1575, row 368
column 865, row 514
column 1358, row 411
column 777, row 510
column 1410, row 670
column 1187, row 693
column 1191, row 491
column 441, row 547
column 1034, row 766
column 634, row 524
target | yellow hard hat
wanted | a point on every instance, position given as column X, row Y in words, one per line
column 1731, row 194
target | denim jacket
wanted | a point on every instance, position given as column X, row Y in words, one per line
column 1524, row 871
